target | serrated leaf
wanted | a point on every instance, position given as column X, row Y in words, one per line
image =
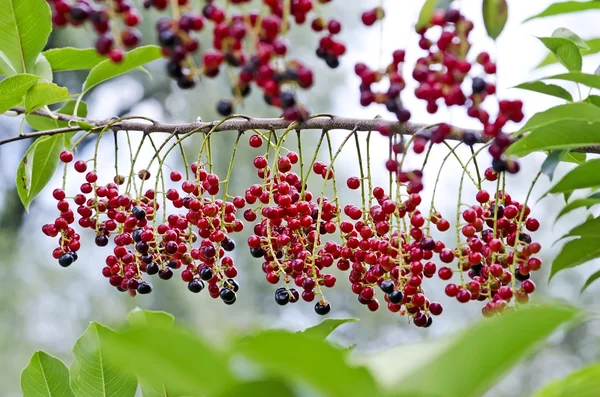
column 69, row 58
column 24, row 29
column 495, row 15
column 580, row 111
column 44, row 94
column 107, row 69
column 590, row 80
column 92, row 374
column 549, row 165
column 592, row 44
column 582, row 383
column 586, row 175
column 575, row 253
column 326, row 327
column 37, row 167
column 502, row 340
column 340, row 379
column 565, row 50
column 587, row 202
column 548, row 89
column 42, row 123
column 563, row 134
column 14, row 88
column 589, row 282
column 187, row 364
column 45, row 376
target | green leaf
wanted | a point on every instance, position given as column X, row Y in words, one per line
column 587, row 202
column 575, row 253
column 45, row 376
column 307, row 359
column 42, row 123
column 107, row 69
column 24, row 29
column 14, row 88
column 150, row 319
column 44, row 94
column 586, row 175
column 42, row 68
column 326, row 327
column 502, row 340
column 495, row 14
column 580, row 111
column 590, row 80
column 569, row 34
column 593, row 45
column 92, row 375
column 590, row 229
column 5, row 67
column 37, row 167
column 575, row 158
column 69, row 58
column 590, row 281
column 593, row 99
column 260, row 388
column 549, row 165
column 426, row 13
column 582, row 383
column 188, row 365
column 565, row 50
column 563, row 134
column 548, row 89
column 566, row 8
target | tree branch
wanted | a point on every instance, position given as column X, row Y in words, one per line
column 246, row 123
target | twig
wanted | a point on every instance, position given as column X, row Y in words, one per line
column 245, row 123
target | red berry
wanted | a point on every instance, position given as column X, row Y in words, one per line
column 255, row 141
column 353, row 183
column 66, row 156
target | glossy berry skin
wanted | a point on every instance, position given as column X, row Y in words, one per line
column 224, row 108
column 227, row 296
column 282, row 296
column 196, row 286
column 144, row 288
column 322, row 307
column 66, row 156
column 66, row 260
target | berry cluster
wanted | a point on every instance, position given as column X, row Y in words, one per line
column 144, row 247
column 385, row 244
column 391, row 97
column 288, row 234
column 498, row 252
column 114, row 21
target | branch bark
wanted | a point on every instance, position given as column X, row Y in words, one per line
column 246, row 123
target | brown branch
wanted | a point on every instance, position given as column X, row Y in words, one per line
column 245, row 123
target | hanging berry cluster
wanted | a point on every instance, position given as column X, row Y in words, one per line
column 387, row 244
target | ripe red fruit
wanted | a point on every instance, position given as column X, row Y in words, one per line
column 66, row 156
column 80, row 166
column 482, row 196
column 175, row 176
column 532, row 224
column 353, row 183
column 255, row 141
